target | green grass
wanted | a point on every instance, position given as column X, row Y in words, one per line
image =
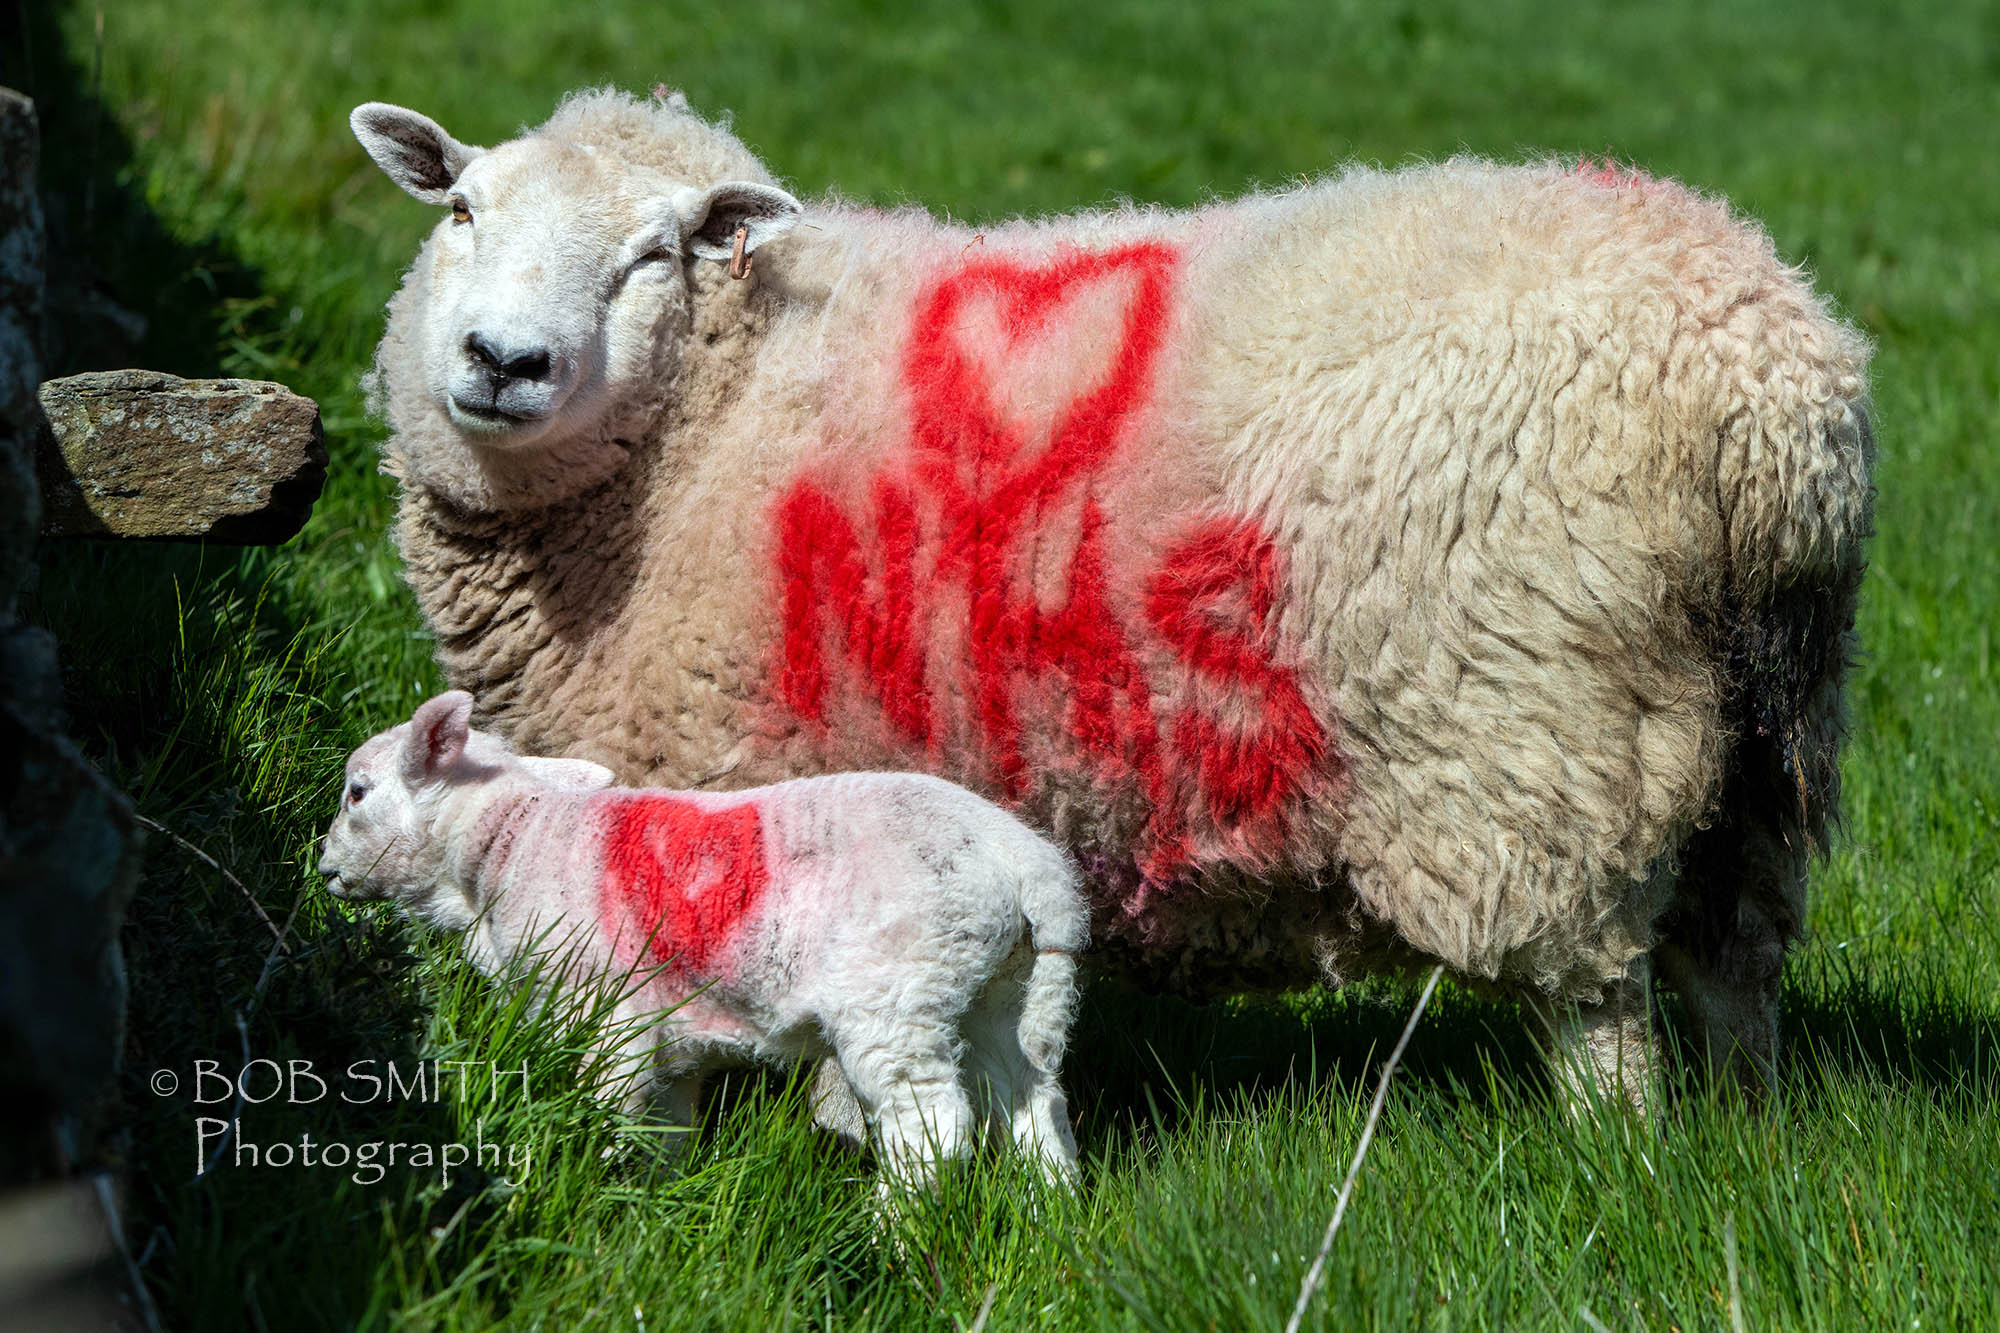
column 210, row 179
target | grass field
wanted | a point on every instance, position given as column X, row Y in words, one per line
column 199, row 156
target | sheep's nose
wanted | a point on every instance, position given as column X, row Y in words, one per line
column 517, row 363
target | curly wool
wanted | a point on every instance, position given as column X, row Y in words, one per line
column 1518, row 459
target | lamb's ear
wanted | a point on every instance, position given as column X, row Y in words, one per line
column 437, row 737
column 413, row 149
column 709, row 218
column 568, row 774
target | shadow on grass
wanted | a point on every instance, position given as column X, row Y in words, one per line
column 1891, row 1023
column 195, row 694
column 1141, row 1061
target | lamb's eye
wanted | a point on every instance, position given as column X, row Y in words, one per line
column 355, row 791
column 460, row 210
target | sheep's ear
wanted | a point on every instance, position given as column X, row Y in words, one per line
column 568, row 774
column 437, row 737
column 709, row 218
column 413, row 149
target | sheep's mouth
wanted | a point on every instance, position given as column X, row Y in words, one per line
column 489, row 416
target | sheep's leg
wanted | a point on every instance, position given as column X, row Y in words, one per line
column 1603, row 1052
column 1730, row 992
column 1742, row 897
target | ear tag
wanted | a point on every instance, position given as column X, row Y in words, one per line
column 739, row 261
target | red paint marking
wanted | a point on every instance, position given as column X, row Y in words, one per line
column 680, row 877
column 963, row 517
column 1609, row 174
column 823, row 570
column 1214, row 600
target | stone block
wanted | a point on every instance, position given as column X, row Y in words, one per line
column 139, row 453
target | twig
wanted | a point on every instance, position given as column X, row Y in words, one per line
column 271, row 956
column 1735, row 1285
column 235, row 1110
column 1318, row 1269
column 222, row 870
column 107, row 1199
column 985, row 1308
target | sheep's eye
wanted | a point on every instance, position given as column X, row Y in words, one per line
column 460, row 210
column 355, row 791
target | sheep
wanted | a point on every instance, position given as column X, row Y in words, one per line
column 1452, row 563
column 889, row 920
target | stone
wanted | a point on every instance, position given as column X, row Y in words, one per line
column 64, row 1262
column 21, row 262
column 140, row 453
column 69, row 862
column 69, row 851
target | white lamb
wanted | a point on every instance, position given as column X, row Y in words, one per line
column 889, row 920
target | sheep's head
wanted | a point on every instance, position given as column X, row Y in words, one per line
column 556, row 286
column 402, row 803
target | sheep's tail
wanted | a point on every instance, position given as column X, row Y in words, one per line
column 1795, row 456
column 1793, row 468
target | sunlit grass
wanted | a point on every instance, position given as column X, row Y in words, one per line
column 228, row 205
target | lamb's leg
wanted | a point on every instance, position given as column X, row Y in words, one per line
column 680, row 1107
column 1603, row 1052
column 1041, row 1113
column 907, row 1081
column 995, row 1069
column 624, row 1073
column 1015, row 1034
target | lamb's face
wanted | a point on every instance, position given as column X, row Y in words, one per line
column 404, row 800
column 376, row 846
column 558, row 284
column 390, row 838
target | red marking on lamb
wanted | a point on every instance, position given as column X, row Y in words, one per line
column 965, row 514
column 680, row 877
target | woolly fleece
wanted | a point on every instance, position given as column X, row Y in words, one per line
column 1424, row 563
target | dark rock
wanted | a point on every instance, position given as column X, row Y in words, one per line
column 68, row 851
column 21, row 261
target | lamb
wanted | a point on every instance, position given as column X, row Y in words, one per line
column 1455, row 563
column 885, row 919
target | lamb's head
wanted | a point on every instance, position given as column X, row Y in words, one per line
column 546, row 313
column 385, row 841
column 411, row 790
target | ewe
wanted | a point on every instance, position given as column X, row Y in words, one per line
column 885, row 919
column 1454, row 563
